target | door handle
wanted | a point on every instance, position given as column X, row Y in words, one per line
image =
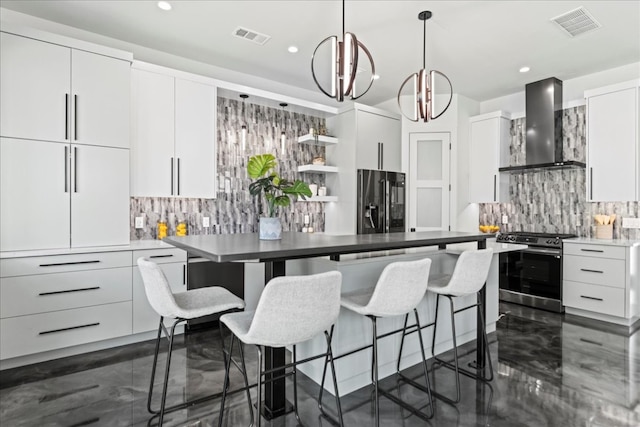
column 494, row 188
column 591, row 183
column 66, row 116
column 75, row 117
column 66, row 169
column 387, row 207
column 379, row 155
column 591, row 271
column 172, row 176
column 178, row 177
column 75, row 169
column 382, row 156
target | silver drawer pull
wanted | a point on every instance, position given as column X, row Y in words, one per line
column 590, row 342
column 592, row 250
column 591, row 271
column 69, row 329
column 69, row 263
column 68, row 291
column 593, row 298
column 160, row 256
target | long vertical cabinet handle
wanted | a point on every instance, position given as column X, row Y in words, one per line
column 75, row 169
column 387, row 202
column 382, row 156
column 172, row 176
column 495, row 178
column 66, row 116
column 591, row 183
column 66, row 169
column 379, row 147
column 75, row 117
column 178, row 178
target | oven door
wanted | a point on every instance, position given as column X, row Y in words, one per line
column 532, row 271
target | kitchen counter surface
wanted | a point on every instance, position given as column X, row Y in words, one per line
column 605, row 242
column 135, row 245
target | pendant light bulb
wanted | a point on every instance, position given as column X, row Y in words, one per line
column 424, row 83
column 344, row 65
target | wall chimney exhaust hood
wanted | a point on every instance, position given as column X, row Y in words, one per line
column 544, row 128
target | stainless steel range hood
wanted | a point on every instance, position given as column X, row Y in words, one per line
column 544, row 128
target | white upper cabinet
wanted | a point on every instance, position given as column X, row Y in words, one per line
column 378, row 141
column 101, row 98
column 489, row 150
column 35, row 89
column 174, row 136
column 56, row 93
column 613, row 163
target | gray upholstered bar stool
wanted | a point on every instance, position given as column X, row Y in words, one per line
column 291, row 310
column 468, row 278
column 398, row 291
column 181, row 306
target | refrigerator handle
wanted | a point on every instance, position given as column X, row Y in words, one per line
column 387, row 205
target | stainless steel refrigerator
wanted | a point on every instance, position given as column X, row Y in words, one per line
column 381, row 201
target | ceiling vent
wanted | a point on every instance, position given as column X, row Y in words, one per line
column 577, row 21
column 253, row 36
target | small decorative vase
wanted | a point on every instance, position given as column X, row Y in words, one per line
column 270, row 228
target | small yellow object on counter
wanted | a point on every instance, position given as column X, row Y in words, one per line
column 181, row 229
column 162, row 229
column 489, row 228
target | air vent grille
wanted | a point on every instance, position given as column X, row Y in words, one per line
column 577, row 21
column 253, row 36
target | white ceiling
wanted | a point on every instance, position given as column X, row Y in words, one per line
column 479, row 45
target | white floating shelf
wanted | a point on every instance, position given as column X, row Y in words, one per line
column 317, row 140
column 318, row 169
column 320, row 199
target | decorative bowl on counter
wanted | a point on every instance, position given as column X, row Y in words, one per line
column 489, row 228
column 318, row 161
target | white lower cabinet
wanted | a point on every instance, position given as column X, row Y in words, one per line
column 598, row 280
column 173, row 264
column 59, row 301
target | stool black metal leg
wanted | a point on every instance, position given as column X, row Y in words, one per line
column 227, row 368
column 435, row 327
column 153, row 368
column 404, row 334
column 329, row 337
column 246, row 382
column 424, row 363
column 295, row 385
column 374, row 363
column 259, row 403
column 455, row 348
column 166, row 374
column 486, row 346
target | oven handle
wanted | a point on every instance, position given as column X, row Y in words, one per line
column 543, row 251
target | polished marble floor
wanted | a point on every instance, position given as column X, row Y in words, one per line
column 550, row 371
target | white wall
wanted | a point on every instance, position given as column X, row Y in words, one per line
column 572, row 90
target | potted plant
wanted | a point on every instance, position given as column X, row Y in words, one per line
column 277, row 191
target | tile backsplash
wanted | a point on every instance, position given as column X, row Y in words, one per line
column 234, row 210
column 554, row 201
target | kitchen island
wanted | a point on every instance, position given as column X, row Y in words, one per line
column 275, row 253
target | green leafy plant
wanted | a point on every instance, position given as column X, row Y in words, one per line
column 277, row 191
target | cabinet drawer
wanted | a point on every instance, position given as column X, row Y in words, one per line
column 61, row 263
column 161, row 256
column 23, row 295
column 597, row 271
column 49, row 331
column 600, row 299
column 598, row 251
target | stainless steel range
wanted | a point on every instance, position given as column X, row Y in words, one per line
column 532, row 276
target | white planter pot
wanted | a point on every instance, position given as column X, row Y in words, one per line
column 270, row 228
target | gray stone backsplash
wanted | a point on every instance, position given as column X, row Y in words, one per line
column 554, row 201
column 234, row 210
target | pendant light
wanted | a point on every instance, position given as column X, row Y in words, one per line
column 344, row 65
column 244, row 122
column 283, row 136
column 424, row 84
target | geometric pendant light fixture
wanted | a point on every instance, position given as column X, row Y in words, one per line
column 283, row 136
column 343, row 65
column 424, row 85
column 244, row 122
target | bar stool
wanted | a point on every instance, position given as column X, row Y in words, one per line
column 291, row 310
column 398, row 291
column 181, row 306
column 468, row 277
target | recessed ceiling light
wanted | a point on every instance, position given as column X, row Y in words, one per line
column 292, row 49
column 524, row 69
column 164, row 5
column 376, row 77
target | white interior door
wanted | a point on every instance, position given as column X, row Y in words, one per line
column 429, row 181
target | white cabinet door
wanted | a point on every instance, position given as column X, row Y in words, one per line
column 378, row 141
column 34, row 195
column 35, row 89
column 100, row 196
column 195, row 142
column 152, row 148
column 101, row 97
column 612, row 142
column 489, row 145
column 145, row 317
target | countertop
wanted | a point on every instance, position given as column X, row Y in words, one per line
column 604, row 242
column 135, row 245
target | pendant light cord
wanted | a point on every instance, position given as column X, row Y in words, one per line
column 424, row 45
column 343, row 18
